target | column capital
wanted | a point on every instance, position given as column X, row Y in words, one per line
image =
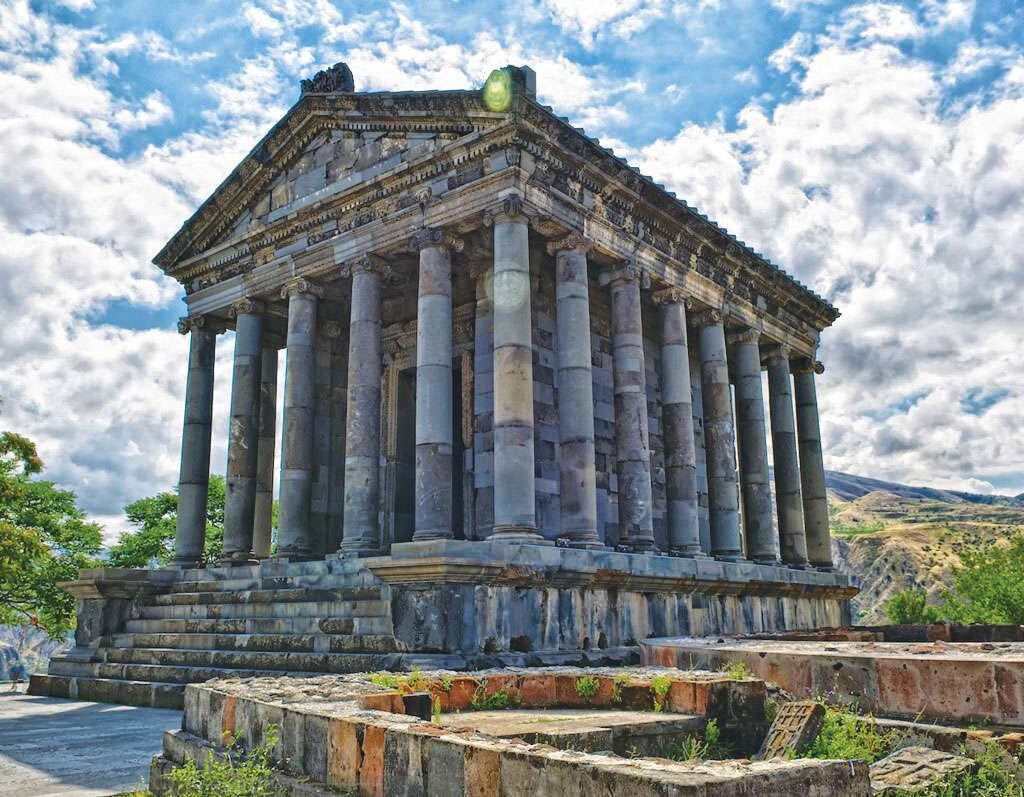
column 672, row 296
column 437, row 237
column 777, row 353
column 247, row 306
column 510, row 209
column 806, row 365
column 193, row 323
column 301, row 285
column 478, row 269
column 628, row 271
column 707, row 318
column 748, row 335
column 370, row 264
column 573, row 240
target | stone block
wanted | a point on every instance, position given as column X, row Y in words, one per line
column 794, row 729
column 482, row 771
column 915, row 769
column 371, row 767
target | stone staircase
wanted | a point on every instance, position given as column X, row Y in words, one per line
column 275, row 618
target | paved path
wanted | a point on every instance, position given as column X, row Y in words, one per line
column 51, row 747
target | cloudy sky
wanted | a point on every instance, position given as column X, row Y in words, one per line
column 875, row 150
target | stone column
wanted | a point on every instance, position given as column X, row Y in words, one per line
column 265, row 457
column 294, row 533
column 434, row 432
column 632, row 443
column 361, row 529
column 812, row 467
column 677, row 427
column 194, row 475
column 787, row 467
column 576, row 462
column 755, row 485
column 243, row 440
column 515, row 513
column 719, row 438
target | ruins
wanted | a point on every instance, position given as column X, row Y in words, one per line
column 523, row 410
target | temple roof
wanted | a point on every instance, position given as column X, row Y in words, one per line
column 331, row 91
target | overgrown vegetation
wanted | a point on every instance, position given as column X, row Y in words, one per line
column 707, row 746
column 238, row 774
column 44, row 539
column 618, row 682
column 587, row 686
column 992, row 777
column 660, row 684
column 496, row 701
column 737, row 671
column 988, row 587
column 845, row 735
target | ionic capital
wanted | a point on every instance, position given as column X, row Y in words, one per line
column 247, row 306
column 370, row 264
column 749, row 335
column 195, row 323
column 573, row 240
column 707, row 318
column 435, row 237
column 671, row 296
column 806, row 365
column 774, row 355
column 299, row 286
column 629, row 271
column 510, row 209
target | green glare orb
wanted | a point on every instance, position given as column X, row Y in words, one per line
column 498, row 90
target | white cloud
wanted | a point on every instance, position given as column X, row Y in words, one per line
column 883, row 21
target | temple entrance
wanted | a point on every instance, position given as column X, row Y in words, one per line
column 405, row 456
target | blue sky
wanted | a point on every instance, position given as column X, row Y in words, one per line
column 873, row 149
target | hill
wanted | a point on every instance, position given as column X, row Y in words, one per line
column 895, row 537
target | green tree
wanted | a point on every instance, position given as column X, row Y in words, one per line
column 989, row 586
column 44, row 539
column 156, row 519
column 910, row 608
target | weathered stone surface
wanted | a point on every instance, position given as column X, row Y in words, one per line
column 915, row 769
column 794, row 729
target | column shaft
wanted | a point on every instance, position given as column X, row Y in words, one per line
column 787, row 467
column 194, row 475
column 632, row 443
column 515, row 514
column 576, row 463
column 361, row 529
column 812, row 469
column 243, row 441
column 677, row 427
column 434, row 432
column 755, row 485
column 719, row 439
column 294, row 532
column 265, row 457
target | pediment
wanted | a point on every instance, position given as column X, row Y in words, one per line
column 322, row 146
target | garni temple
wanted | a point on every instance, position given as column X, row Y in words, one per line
column 524, row 419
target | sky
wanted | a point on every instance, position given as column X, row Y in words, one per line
column 875, row 150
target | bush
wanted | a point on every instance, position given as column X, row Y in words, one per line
column 991, row 778
column 237, row 774
column 708, row 747
column 845, row 735
column 910, row 608
column 587, row 686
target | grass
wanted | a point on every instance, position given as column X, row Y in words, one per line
column 496, row 701
column 992, row 777
column 587, row 686
column 845, row 735
column 660, row 684
column 856, row 529
column 703, row 747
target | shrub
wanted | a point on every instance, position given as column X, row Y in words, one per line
column 587, row 686
column 737, row 671
column 501, row 699
column 990, row 778
column 910, row 607
column 660, row 684
column 237, row 774
column 845, row 735
column 706, row 747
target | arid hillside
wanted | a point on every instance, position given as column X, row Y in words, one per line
column 896, row 537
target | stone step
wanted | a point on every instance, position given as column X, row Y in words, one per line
column 244, row 659
column 273, row 568
column 152, row 694
column 172, row 674
column 268, row 643
column 266, row 610
column 267, row 596
column 336, row 624
column 263, row 581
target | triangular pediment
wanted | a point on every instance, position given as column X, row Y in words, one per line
column 323, row 145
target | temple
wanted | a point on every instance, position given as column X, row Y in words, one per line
column 524, row 416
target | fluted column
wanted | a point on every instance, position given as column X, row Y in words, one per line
column 719, row 438
column 515, row 513
column 576, row 459
column 294, row 531
column 194, row 474
column 812, row 466
column 243, row 441
column 434, row 432
column 361, row 529
column 265, row 457
column 755, row 484
column 787, row 467
column 677, row 427
column 632, row 441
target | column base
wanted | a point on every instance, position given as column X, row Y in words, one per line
column 581, row 544
column 522, row 534
column 183, row 564
column 727, row 557
column 238, row 560
column 358, row 550
column 686, row 553
column 798, row 565
column 423, row 535
column 767, row 562
column 292, row 555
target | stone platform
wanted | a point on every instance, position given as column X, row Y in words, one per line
column 952, row 682
column 142, row 635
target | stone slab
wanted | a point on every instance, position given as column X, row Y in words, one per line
column 915, row 769
column 794, row 729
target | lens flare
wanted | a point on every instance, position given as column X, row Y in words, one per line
column 497, row 93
